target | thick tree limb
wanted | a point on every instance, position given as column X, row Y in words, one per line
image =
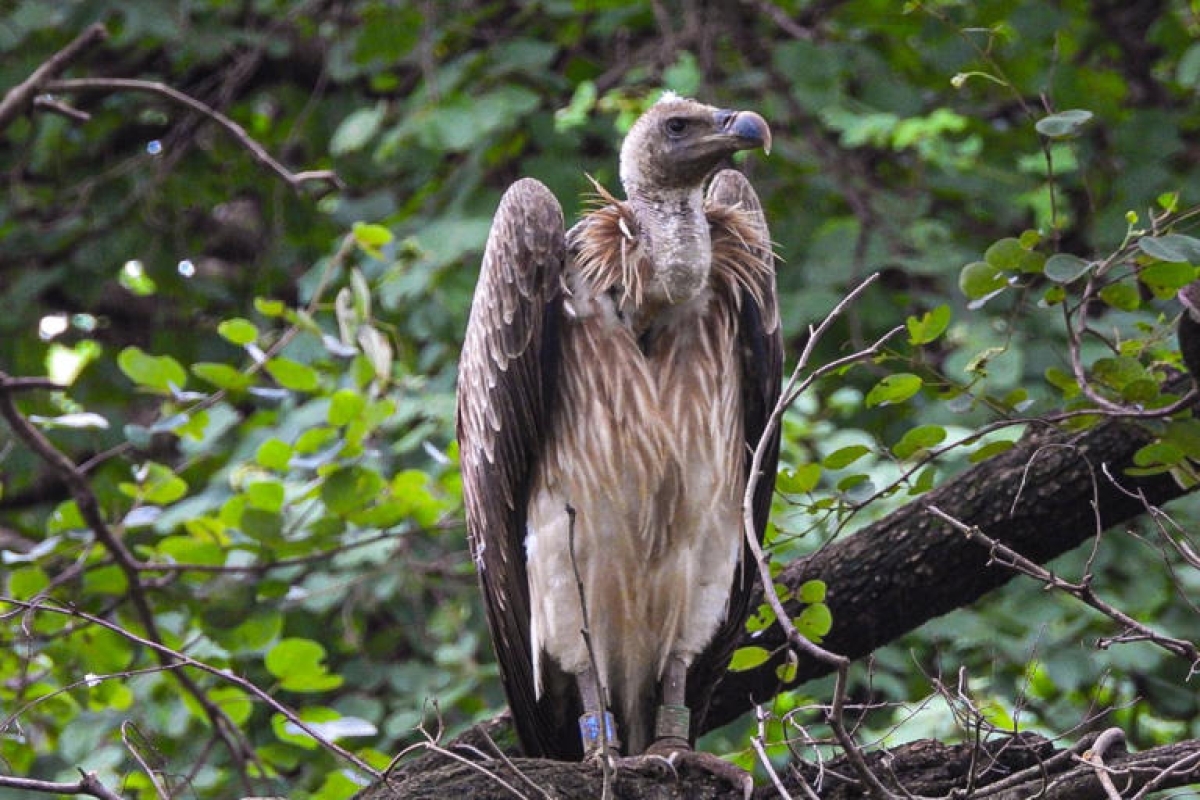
column 1042, row 498
column 1005, row 768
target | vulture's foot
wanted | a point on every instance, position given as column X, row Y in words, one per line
column 673, row 756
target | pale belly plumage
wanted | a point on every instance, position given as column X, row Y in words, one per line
column 648, row 450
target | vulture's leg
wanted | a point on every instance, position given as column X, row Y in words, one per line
column 672, row 722
column 672, row 725
column 597, row 727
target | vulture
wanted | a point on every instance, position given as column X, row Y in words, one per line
column 614, row 382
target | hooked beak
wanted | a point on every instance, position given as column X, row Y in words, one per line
column 748, row 129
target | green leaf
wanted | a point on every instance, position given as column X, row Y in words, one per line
column 370, row 238
column 786, row 672
column 990, row 449
column 345, row 406
column 268, row 307
column 1184, row 434
column 745, row 658
column 255, row 634
column 1009, row 255
column 25, row 582
column 1118, row 372
column 1063, row 381
column 918, row 440
column 1121, row 296
column 293, row 375
column 1171, row 247
column 155, row 483
column 1166, row 278
column 1064, row 124
column 1064, row 267
column 1158, row 453
column 814, row 622
column 239, row 331
column 265, row 495
column 924, row 481
column 357, row 129
column 261, row 525
column 134, row 279
column 845, row 456
column 799, row 480
column 222, row 376
column 233, row 701
column 159, row 374
column 274, row 454
column 980, row 280
column 892, row 389
column 761, row 619
column 109, row 581
column 351, row 488
column 929, row 326
column 190, row 550
column 812, row 592
column 299, row 664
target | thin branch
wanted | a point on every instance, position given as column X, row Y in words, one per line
column 182, row 659
column 1095, row 757
column 256, row 150
column 89, row 509
column 586, row 633
column 1006, row 556
column 88, row 785
column 841, row 664
column 23, row 94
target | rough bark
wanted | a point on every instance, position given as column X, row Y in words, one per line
column 1006, row 768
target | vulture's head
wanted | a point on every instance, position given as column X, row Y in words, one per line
column 678, row 142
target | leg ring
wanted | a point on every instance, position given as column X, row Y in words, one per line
column 596, row 730
column 672, row 722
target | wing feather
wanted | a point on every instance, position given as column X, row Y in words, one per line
column 506, row 374
column 762, row 369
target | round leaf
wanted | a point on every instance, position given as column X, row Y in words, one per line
column 893, row 389
column 1064, row 267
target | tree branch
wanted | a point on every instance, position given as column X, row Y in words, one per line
column 256, row 150
column 22, row 95
column 88, row 785
column 908, row 567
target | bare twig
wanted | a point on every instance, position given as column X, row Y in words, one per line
column 256, row 150
column 23, row 94
column 129, row 731
column 841, row 664
column 1006, row 556
column 88, row 785
column 1095, row 757
column 605, row 763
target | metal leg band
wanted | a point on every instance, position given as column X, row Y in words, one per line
column 598, row 729
column 672, row 722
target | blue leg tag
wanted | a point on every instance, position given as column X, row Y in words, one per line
column 590, row 730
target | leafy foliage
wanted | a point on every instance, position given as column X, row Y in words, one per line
column 259, row 381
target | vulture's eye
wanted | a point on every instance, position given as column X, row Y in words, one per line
column 676, row 126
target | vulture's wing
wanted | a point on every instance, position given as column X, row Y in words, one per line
column 505, row 380
column 762, row 370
